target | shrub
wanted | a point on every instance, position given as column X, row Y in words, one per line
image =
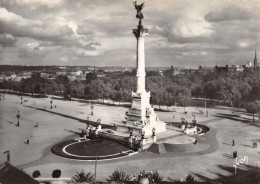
column 81, row 177
column 118, row 176
column 56, row 173
column 36, row 174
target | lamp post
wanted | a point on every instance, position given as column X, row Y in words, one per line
column 131, row 132
column 98, row 123
column 193, row 116
column 87, row 121
column 92, row 107
column 153, row 130
column 18, row 117
column 21, row 99
column 51, row 103
column 96, row 169
column 142, row 135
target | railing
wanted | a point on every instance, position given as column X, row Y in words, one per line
column 50, row 180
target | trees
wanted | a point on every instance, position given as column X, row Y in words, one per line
column 252, row 108
column 156, row 177
column 81, row 177
column 210, row 89
column 190, row 179
column 118, row 176
column 64, row 81
column 197, row 91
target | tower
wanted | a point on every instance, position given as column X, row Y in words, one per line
column 255, row 61
column 141, row 118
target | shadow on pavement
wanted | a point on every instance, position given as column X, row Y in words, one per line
column 236, row 118
column 244, row 174
column 226, row 143
column 92, row 123
column 227, row 155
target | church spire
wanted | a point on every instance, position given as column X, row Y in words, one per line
column 255, row 60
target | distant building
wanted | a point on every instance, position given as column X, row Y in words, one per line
column 62, row 67
column 234, row 69
column 221, row 69
column 61, row 73
column 172, row 72
column 249, row 64
column 81, row 77
column 101, row 75
column 79, row 72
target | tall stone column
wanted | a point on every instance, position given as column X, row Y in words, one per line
column 140, row 62
column 141, row 117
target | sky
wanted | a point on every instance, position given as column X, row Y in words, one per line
column 182, row 33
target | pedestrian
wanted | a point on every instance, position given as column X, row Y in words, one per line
column 235, row 154
column 254, row 144
column 233, row 143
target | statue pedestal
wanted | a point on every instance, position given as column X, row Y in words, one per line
column 141, row 117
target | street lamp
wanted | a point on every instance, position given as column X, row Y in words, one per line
column 131, row 132
column 193, row 116
column 18, row 117
column 51, row 103
column 142, row 135
column 87, row 121
column 98, row 122
column 153, row 130
column 21, row 99
column 92, row 107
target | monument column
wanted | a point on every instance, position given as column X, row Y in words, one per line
column 140, row 62
column 141, row 117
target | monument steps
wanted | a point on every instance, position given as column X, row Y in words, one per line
column 157, row 148
column 160, row 148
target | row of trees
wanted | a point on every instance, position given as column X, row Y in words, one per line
column 164, row 90
column 119, row 176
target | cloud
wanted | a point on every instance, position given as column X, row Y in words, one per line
column 31, row 50
column 228, row 14
column 22, row 27
column 192, row 25
column 7, row 40
column 84, row 53
column 54, row 30
column 100, row 32
column 33, row 4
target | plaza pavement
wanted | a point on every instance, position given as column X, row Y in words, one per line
column 70, row 115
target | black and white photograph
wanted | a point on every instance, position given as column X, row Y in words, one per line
column 125, row 91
